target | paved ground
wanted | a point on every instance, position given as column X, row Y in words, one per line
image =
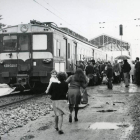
column 106, row 117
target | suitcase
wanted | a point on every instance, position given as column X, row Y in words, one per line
column 104, row 81
column 84, row 98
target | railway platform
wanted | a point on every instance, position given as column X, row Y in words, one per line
column 109, row 116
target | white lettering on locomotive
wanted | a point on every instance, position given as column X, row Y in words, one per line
column 10, row 65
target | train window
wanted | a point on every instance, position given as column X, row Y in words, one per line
column 63, row 48
column 23, row 42
column 10, row 43
column 55, row 44
column 58, row 48
column 74, row 51
column 69, row 54
column 39, row 42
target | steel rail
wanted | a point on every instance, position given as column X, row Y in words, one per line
column 22, row 100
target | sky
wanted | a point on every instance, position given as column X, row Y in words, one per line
column 89, row 18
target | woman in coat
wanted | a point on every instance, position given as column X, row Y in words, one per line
column 109, row 74
column 58, row 92
column 132, row 71
column 74, row 95
column 117, row 71
column 126, row 69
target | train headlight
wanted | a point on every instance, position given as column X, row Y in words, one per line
column 1, row 62
column 47, row 60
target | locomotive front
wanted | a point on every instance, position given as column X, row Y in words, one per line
column 26, row 56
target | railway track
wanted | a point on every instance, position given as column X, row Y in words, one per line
column 14, row 98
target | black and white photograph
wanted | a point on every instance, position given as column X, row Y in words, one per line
column 69, row 70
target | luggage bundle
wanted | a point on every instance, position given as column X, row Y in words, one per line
column 104, row 81
column 84, row 98
column 109, row 84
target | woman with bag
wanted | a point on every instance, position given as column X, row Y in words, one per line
column 74, row 95
column 58, row 92
column 117, row 71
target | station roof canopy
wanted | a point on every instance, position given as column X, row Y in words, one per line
column 108, row 43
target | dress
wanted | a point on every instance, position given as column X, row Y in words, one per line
column 74, row 93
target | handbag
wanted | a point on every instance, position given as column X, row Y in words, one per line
column 109, row 84
column 84, row 96
column 90, row 76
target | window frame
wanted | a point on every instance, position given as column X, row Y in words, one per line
column 45, row 42
column 28, row 42
column 69, row 51
column 3, row 42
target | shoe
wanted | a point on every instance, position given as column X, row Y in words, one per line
column 76, row 119
column 126, row 85
column 60, row 132
column 70, row 118
column 56, row 129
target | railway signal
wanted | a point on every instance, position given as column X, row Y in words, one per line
column 121, row 33
column 121, row 29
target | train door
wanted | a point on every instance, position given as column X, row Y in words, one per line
column 23, row 53
column 59, row 55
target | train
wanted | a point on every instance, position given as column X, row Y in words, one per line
column 29, row 52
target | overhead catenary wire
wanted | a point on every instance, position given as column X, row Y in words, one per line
column 55, row 15
column 52, row 6
column 105, row 23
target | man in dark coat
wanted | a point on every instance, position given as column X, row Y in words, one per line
column 126, row 69
column 89, row 72
column 137, row 67
column 109, row 74
column 102, row 67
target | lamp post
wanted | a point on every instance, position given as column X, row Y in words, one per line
column 121, row 33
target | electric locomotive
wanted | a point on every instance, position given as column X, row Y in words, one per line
column 29, row 52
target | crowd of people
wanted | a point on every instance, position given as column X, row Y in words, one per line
column 65, row 92
column 97, row 72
